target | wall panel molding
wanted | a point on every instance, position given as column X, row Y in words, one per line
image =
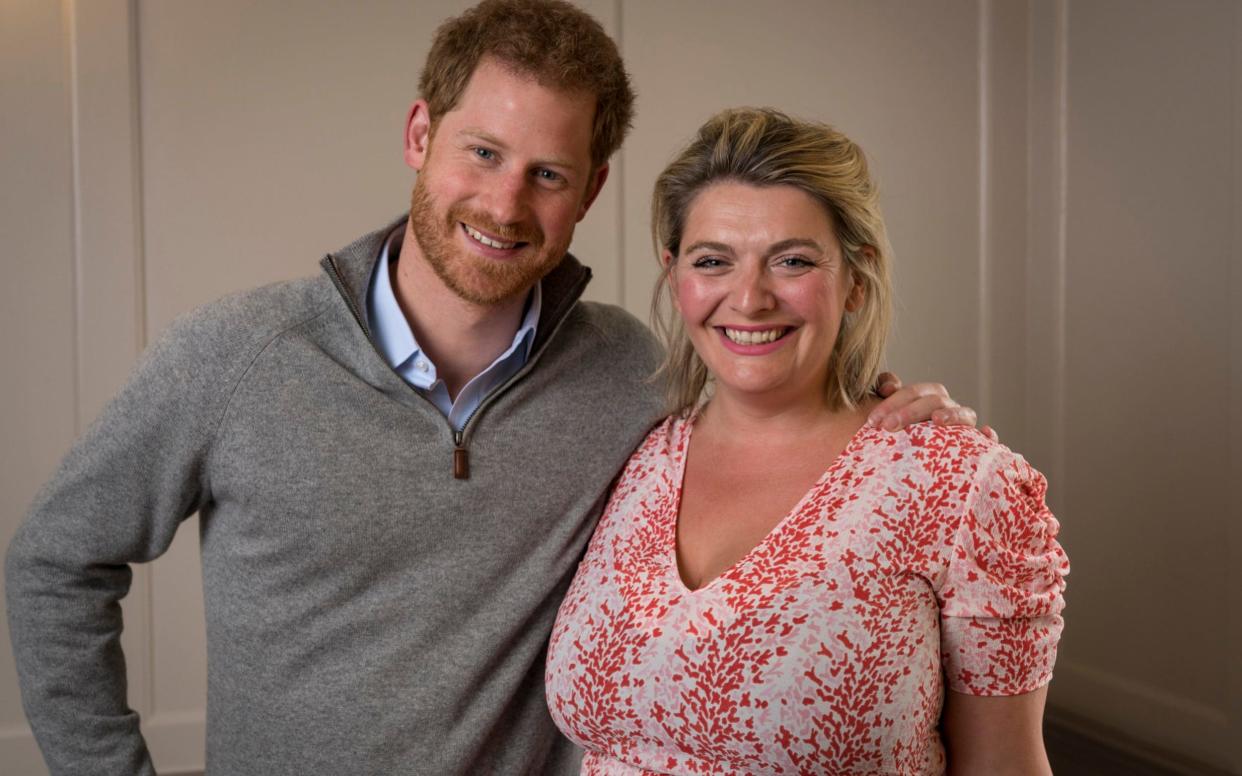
column 107, row 178
column 1003, row 182
column 1126, row 308
column 37, row 303
column 108, row 253
column 987, row 174
column 617, row 182
column 599, row 239
column 1235, row 464
column 1045, row 230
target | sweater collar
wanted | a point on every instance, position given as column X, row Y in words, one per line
column 352, row 266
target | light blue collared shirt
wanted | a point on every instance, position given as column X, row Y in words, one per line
column 396, row 341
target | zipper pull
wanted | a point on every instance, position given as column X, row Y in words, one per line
column 461, row 458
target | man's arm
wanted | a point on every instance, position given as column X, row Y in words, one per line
column 904, row 405
column 117, row 498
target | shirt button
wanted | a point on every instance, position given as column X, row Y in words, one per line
column 421, row 365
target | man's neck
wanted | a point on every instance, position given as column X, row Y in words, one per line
column 461, row 338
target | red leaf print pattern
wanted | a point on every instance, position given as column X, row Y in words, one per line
column 922, row 560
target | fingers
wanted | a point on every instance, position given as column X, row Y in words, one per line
column 956, row 416
column 990, row 433
column 917, row 403
column 915, row 411
column 887, row 384
column 900, row 396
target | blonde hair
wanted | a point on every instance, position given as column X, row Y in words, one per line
column 764, row 147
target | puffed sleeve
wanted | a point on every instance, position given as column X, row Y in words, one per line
column 1001, row 600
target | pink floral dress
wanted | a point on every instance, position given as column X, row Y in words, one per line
column 920, row 560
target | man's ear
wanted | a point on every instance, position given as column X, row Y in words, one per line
column 417, row 135
column 593, row 189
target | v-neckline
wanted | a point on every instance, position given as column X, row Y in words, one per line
column 679, row 480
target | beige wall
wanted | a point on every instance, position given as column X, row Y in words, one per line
column 1149, row 198
column 1061, row 180
column 38, row 389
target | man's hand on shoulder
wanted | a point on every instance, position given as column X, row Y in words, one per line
column 904, row 405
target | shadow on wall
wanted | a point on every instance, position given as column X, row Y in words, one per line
column 1079, row 747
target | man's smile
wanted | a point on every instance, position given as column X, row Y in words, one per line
column 490, row 242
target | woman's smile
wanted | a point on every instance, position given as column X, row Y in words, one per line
column 752, row 341
column 762, row 287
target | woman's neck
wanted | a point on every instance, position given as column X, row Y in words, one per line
column 759, row 418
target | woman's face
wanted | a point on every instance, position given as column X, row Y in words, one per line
column 762, row 285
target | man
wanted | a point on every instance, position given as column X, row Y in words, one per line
column 396, row 464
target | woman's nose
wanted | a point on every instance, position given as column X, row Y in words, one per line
column 752, row 292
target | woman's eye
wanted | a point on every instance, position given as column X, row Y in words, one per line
column 794, row 262
column 708, row 262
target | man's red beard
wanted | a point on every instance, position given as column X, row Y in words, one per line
column 473, row 278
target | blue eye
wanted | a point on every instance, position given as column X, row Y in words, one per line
column 547, row 175
column 484, row 153
column 794, row 262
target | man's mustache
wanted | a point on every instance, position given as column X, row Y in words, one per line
column 508, row 232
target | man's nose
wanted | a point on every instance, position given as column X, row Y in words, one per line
column 507, row 198
column 752, row 292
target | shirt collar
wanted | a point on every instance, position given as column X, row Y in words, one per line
column 392, row 331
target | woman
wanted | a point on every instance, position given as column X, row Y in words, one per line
column 776, row 586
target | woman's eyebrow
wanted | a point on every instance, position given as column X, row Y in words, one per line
column 708, row 245
column 796, row 242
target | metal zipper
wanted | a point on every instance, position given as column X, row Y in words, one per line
column 461, row 458
column 529, row 365
column 461, row 451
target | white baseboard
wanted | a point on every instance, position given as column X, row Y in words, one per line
column 177, row 741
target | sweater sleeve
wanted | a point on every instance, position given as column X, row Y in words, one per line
column 1002, row 597
column 117, row 498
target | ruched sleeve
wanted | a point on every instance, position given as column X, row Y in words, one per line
column 1001, row 600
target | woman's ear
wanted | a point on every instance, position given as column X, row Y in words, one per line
column 857, row 295
column 858, row 290
column 668, row 260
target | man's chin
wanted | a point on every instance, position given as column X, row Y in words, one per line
column 487, row 291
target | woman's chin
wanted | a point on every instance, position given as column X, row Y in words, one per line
column 767, row 390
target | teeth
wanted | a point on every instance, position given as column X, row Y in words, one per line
column 754, row 337
column 487, row 240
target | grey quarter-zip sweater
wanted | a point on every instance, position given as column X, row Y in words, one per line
column 369, row 610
